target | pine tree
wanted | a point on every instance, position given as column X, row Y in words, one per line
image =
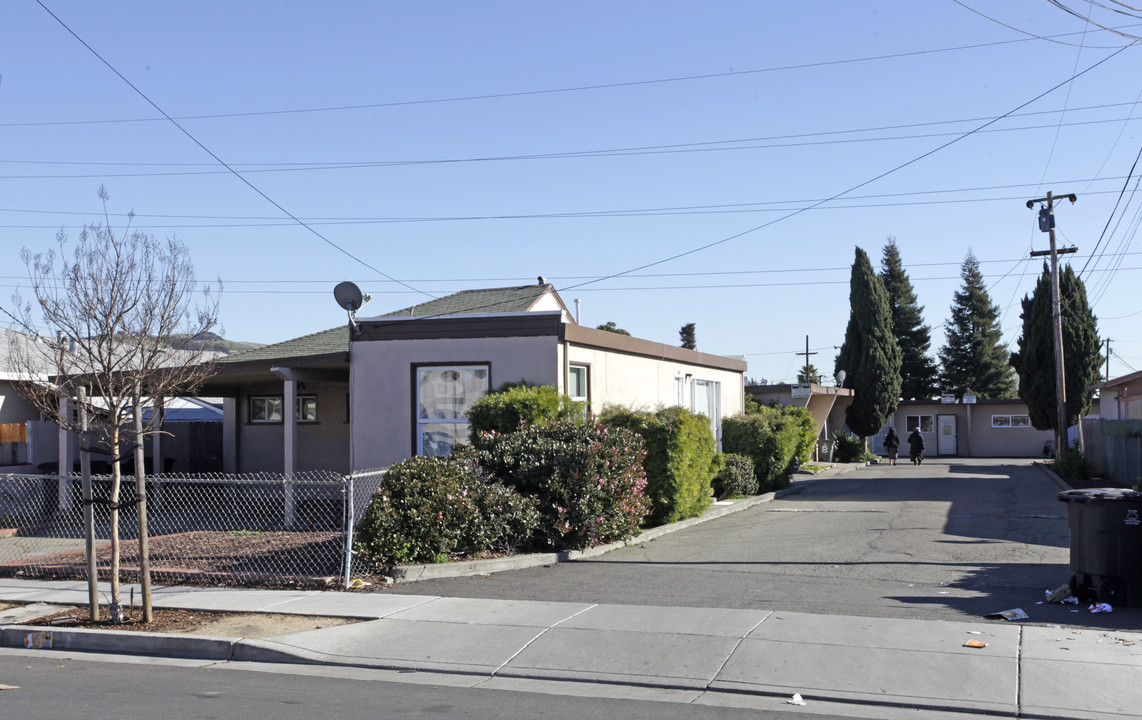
column 974, row 357
column 918, row 374
column 687, row 338
column 1035, row 359
column 869, row 356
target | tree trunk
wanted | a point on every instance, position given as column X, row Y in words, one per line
column 141, row 494
column 116, row 477
column 88, row 509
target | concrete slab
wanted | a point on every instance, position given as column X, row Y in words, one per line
column 366, row 605
column 62, row 592
column 387, row 643
column 1068, row 672
column 717, row 622
column 590, row 689
column 637, row 658
column 869, row 660
column 479, row 611
column 870, row 632
column 232, row 599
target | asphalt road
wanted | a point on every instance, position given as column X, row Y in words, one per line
column 949, row 540
column 48, row 688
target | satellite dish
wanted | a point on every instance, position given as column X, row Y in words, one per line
column 840, row 378
column 349, row 296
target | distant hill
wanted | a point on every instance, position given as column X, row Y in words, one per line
column 213, row 342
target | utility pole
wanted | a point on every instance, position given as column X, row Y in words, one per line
column 1107, row 378
column 808, row 377
column 1047, row 225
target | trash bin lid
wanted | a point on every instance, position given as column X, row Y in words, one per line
column 1100, row 495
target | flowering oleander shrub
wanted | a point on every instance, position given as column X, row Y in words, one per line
column 430, row 508
column 587, row 480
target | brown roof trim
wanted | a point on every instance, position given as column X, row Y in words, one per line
column 525, row 324
column 788, row 387
column 1115, row 382
column 590, row 337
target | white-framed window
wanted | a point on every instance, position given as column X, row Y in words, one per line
column 680, row 391
column 1013, row 421
column 925, row 422
column 444, row 394
column 268, row 409
column 579, row 385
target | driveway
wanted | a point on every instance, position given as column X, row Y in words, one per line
column 949, row 540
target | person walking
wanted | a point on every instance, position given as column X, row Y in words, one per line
column 916, row 447
column 891, row 445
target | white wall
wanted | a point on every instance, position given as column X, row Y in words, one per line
column 645, row 383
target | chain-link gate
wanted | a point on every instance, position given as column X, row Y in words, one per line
column 265, row 529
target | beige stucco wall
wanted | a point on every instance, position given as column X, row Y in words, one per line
column 645, row 383
column 383, row 392
column 976, row 436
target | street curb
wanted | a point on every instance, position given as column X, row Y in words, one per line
column 1063, row 485
column 473, row 568
column 198, row 647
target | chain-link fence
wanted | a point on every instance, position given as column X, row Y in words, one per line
column 262, row 529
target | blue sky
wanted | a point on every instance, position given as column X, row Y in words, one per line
column 736, row 152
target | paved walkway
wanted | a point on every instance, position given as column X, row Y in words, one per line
column 861, row 667
column 857, row 667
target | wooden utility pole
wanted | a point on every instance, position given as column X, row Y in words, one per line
column 1047, row 225
column 808, row 376
column 1107, row 378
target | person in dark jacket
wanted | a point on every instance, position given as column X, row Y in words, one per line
column 916, row 446
column 891, row 445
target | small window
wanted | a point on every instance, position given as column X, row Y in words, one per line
column 924, row 422
column 578, row 385
column 266, row 409
column 1010, row 421
column 306, row 408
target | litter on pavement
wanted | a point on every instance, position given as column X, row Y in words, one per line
column 795, row 700
column 975, row 644
column 1100, row 607
column 1013, row 614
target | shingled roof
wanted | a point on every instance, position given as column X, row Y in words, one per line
column 466, row 302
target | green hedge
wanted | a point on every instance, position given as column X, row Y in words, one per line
column 681, row 458
column 736, row 477
column 429, row 508
column 587, row 479
column 517, row 405
column 776, row 438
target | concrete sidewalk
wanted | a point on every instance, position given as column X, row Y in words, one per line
column 860, row 667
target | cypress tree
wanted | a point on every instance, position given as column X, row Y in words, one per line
column 687, row 337
column 869, row 356
column 974, row 356
column 918, row 374
column 1035, row 359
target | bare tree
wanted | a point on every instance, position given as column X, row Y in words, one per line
column 114, row 321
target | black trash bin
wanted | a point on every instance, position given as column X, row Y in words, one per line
column 1106, row 544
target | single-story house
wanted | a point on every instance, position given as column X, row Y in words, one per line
column 826, row 403
column 1121, row 398
column 956, row 427
column 401, row 384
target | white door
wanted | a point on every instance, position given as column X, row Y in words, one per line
column 946, row 435
column 707, row 400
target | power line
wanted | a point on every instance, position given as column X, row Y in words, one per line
column 219, row 160
column 527, row 93
column 858, row 185
column 677, row 149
